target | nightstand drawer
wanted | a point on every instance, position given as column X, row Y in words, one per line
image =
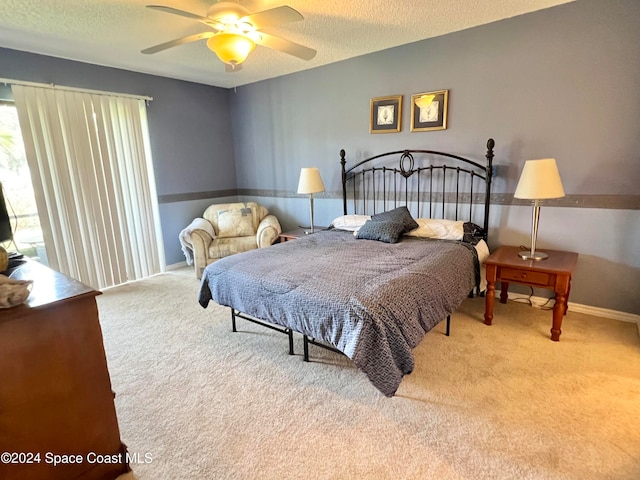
column 516, row 275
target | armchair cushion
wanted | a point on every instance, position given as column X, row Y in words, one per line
column 235, row 222
column 222, row 247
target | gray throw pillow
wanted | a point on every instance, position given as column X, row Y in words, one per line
column 388, row 232
column 398, row 215
column 472, row 233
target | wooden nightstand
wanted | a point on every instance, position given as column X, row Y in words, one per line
column 296, row 233
column 554, row 273
column 291, row 235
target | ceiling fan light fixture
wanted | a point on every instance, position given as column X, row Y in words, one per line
column 227, row 12
column 255, row 36
column 244, row 26
column 237, row 31
column 231, row 48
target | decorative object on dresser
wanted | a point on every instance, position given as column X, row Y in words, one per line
column 505, row 265
column 226, row 229
column 429, row 111
column 310, row 182
column 386, row 114
column 359, row 295
column 55, row 393
column 13, row 292
column 540, row 180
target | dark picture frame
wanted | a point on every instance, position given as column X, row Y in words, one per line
column 432, row 114
column 386, row 114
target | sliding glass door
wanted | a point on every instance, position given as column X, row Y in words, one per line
column 91, row 167
column 18, row 188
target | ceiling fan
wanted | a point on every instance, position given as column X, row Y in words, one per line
column 235, row 31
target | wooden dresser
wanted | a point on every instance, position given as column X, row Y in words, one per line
column 56, row 402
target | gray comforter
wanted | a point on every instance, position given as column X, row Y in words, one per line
column 373, row 301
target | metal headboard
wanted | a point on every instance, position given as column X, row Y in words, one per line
column 448, row 182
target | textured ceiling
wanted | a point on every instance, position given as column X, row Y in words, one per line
column 112, row 32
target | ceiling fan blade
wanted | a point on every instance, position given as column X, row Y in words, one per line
column 286, row 46
column 273, row 17
column 182, row 13
column 179, row 41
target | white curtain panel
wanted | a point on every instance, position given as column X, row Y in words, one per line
column 90, row 163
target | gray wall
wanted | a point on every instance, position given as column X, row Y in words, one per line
column 557, row 83
column 189, row 125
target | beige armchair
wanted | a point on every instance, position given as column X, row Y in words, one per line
column 238, row 227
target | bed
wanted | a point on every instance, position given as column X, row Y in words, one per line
column 403, row 256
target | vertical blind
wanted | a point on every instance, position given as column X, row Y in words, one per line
column 91, row 167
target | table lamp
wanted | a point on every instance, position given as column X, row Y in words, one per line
column 539, row 180
column 310, row 183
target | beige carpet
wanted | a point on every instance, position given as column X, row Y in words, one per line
column 499, row 402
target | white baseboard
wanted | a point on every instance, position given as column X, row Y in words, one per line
column 579, row 308
column 175, row 266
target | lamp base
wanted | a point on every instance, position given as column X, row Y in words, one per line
column 527, row 255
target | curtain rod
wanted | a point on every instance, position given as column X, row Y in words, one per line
column 9, row 81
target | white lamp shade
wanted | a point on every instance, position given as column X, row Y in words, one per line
column 539, row 179
column 310, row 181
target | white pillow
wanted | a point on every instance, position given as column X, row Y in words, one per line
column 350, row 223
column 483, row 253
column 438, row 228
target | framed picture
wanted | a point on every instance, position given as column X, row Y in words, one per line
column 429, row 111
column 386, row 114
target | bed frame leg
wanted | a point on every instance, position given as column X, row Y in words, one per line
column 306, row 347
column 290, row 335
column 278, row 328
column 448, row 325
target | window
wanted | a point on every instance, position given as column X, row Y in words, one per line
column 18, row 188
column 92, row 173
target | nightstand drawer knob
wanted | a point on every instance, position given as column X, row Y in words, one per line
column 538, row 278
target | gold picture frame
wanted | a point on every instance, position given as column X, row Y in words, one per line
column 429, row 111
column 386, row 114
